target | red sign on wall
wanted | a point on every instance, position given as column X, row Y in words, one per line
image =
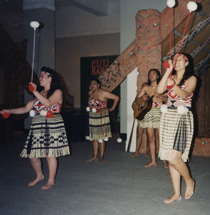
column 99, row 66
column 92, row 67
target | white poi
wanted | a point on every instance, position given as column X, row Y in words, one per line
column 34, row 24
column 171, row 3
column 192, row 6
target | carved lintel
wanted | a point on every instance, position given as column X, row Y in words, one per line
column 144, row 52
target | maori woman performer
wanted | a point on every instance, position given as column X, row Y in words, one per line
column 99, row 123
column 176, row 125
column 47, row 136
column 151, row 120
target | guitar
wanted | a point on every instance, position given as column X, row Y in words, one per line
column 140, row 109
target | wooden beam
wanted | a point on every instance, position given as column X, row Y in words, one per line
column 190, row 36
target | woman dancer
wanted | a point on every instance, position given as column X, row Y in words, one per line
column 151, row 120
column 99, row 123
column 47, row 136
column 176, row 125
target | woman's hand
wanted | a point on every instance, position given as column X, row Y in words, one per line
column 145, row 97
column 34, row 86
column 6, row 111
column 170, row 82
column 156, row 94
column 170, row 65
column 111, row 109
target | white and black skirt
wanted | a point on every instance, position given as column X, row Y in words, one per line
column 47, row 137
column 152, row 118
column 176, row 133
column 99, row 125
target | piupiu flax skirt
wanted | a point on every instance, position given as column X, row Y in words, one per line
column 152, row 118
column 47, row 137
column 99, row 125
column 176, row 132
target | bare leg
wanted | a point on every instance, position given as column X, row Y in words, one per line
column 102, row 149
column 147, row 149
column 181, row 168
column 138, row 141
column 36, row 164
column 151, row 138
column 157, row 130
column 95, row 151
column 52, row 166
column 165, row 165
column 175, row 178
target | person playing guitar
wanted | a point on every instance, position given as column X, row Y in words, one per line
column 151, row 120
column 138, row 110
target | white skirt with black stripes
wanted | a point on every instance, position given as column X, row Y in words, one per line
column 47, row 137
column 176, row 133
column 99, row 125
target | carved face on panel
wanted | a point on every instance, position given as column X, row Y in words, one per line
column 148, row 27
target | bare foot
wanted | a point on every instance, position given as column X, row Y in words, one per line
column 32, row 183
column 146, row 155
column 92, row 159
column 135, row 155
column 165, row 165
column 172, row 198
column 102, row 160
column 151, row 164
column 48, row 186
column 190, row 189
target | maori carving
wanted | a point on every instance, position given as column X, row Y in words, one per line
column 180, row 13
column 143, row 53
column 202, row 63
column 189, row 37
column 201, row 47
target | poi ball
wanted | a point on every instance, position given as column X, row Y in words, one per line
column 87, row 137
column 166, row 64
column 106, row 139
column 181, row 109
column 94, row 110
column 32, row 113
column 164, row 108
column 31, row 88
column 100, row 141
column 43, row 112
column 119, row 140
column 34, row 24
column 88, row 109
column 5, row 115
column 171, row 3
column 192, row 6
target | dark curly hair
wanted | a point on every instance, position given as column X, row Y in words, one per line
column 56, row 83
column 189, row 69
column 97, row 80
column 158, row 74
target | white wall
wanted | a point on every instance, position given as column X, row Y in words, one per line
column 128, row 11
